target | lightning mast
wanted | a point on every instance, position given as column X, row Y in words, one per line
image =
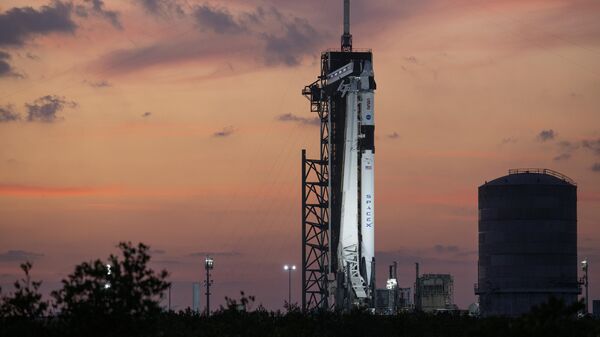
column 347, row 37
column 338, row 245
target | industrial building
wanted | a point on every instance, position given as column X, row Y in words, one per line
column 434, row 292
column 527, row 241
column 596, row 308
column 338, row 199
column 392, row 299
column 405, row 298
column 386, row 301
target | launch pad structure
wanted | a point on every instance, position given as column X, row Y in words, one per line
column 338, row 263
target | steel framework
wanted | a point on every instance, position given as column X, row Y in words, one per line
column 316, row 249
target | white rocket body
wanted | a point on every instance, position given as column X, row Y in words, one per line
column 357, row 222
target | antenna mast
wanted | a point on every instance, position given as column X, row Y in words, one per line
column 347, row 37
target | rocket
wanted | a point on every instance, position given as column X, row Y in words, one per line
column 367, row 166
column 344, row 97
column 356, row 248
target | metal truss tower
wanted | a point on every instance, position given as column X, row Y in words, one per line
column 316, row 249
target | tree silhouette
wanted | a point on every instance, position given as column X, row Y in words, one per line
column 26, row 301
column 123, row 287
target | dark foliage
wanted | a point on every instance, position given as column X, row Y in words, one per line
column 85, row 306
column 129, row 289
column 234, row 321
column 26, row 301
column 111, row 299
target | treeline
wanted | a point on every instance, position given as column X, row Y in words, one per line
column 122, row 298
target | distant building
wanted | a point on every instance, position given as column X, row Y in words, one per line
column 434, row 292
column 596, row 306
column 473, row 310
column 196, row 297
column 527, row 241
column 386, row 301
column 405, row 297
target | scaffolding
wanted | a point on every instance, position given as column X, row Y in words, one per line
column 316, row 207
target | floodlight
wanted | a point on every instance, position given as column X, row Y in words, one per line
column 209, row 263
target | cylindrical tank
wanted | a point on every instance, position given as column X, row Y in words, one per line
column 527, row 241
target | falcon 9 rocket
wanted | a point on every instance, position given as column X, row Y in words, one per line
column 344, row 98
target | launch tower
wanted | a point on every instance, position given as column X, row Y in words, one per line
column 338, row 249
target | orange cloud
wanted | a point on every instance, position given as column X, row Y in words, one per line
column 46, row 191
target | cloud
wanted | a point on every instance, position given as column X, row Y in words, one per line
column 592, row 145
column 161, row 7
column 289, row 117
column 28, row 190
column 286, row 39
column 596, row 167
column 442, row 249
column 264, row 36
column 112, row 16
column 147, row 114
column 218, row 20
column 157, row 252
column 5, row 67
column 99, row 84
column 509, row 140
column 19, row 256
column 439, row 253
column 215, row 254
column 18, row 24
column 226, row 132
column 7, row 114
column 567, row 146
column 411, row 59
column 32, row 56
column 393, row 135
column 177, row 51
column 298, row 39
column 546, row 135
column 563, row 156
column 410, row 256
column 45, row 109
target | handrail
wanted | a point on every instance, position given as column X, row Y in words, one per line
column 543, row 171
column 358, row 50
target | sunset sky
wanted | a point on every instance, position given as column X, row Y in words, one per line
column 180, row 124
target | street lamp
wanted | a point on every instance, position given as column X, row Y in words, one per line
column 584, row 267
column 289, row 270
column 209, row 263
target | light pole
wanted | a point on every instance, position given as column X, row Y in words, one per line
column 289, row 270
column 584, row 267
column 208, row 266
